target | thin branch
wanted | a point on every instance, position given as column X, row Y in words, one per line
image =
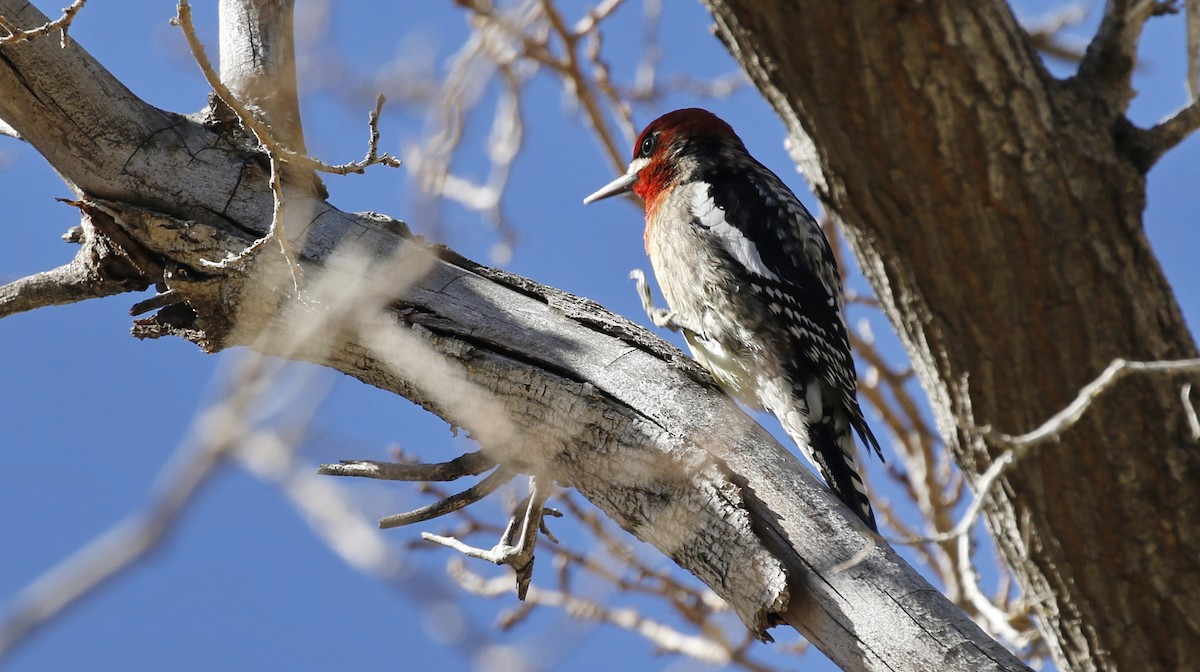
column 1051, row 430
column 1164, row 136
column 517, row 544
column 663, row 636
column 996, row 619
column 15, row 35
column 1193, row 49
column 261, row 133
column 260, row 130
column 219, row 432
column 471, row 464
column 482, row 489
column 1110, row 59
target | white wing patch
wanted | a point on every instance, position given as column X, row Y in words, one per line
column 734, row 241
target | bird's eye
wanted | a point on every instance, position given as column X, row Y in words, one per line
column 648, row 143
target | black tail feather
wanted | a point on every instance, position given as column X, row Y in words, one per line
column 842, row 478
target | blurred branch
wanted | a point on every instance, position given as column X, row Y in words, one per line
column 663, row 636
column 1046, row 33
column 217, row 432
column 1193, row 49
column 516, row 44
column 619, row 569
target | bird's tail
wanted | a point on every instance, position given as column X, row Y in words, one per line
column 823, row 429
column 835, row 454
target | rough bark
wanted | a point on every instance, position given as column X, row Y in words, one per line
column 997, row 213
column 573, row 392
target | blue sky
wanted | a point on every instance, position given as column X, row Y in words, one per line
column 89, row 416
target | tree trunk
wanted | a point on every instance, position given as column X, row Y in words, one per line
column 996, row 212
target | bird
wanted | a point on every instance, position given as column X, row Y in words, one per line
column 751, row 282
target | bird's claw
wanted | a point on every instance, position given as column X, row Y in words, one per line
column 661, row 318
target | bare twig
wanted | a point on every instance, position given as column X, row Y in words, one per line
column 471, row 464
column 1193, row 49
column 1064, row 419
column 15, row 35
column 517, row 544
column 997, row 620
column 1050, row 430
column 482, row 489
column 216, row 433
column 263, row 134
column 520, row 538
column 276, row 152
column 663, row 636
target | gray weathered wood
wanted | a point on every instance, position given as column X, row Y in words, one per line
column 570, row 391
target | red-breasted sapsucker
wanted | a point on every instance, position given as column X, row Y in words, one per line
column 753, row 285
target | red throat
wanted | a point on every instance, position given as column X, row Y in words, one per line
column 659, row 176
column 653, row 183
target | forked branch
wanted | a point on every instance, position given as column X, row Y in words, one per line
column 517, row 544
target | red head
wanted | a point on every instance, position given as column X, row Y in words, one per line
column 665, row 153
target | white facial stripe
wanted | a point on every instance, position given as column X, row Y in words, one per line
column 734, row 241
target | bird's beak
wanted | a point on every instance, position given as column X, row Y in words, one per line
column 618, row 186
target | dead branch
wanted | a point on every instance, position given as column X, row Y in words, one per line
column 100, row 268
column 62, row 23
column 217, row 433
column 483, row 488
column 517, row 544
column 471, row 464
